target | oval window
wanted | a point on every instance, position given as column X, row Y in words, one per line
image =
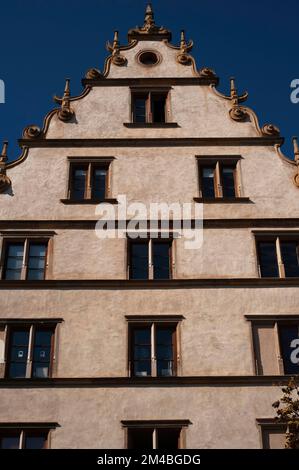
column 148, row 58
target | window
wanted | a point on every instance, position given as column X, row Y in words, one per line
column 218, row 181
column 89, row 181
column 150, row 259
column 273, row 434
column 153, row 346
column 276, row 344
column 148, row 435
column 29, row 350
column 149, row 106
column 278, row 256
column 26, row 436
column 25, row 259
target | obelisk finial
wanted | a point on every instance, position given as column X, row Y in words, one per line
column 3, row 155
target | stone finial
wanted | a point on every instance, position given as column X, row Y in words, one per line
column 236, row 113
column 3, row 155
column 183, row 57
column 66, row 113
column 149, row 16
column 149, row 28
column 296, row 149
column 117, row 57
column 4, row 180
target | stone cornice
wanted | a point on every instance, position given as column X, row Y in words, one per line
column 255, row 223
column 149, row 82
column 103, row 382
column 154, row 142
column 128, row 284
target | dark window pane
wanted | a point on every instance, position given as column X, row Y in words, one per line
column 18, row 353
column 207, row 182
column 14, row 261
column 165, row 351
column 161, row 255
column 42, row 353
column 35, row 442
column 139, row 261
column 287, row 334
column 141, row 351
column 268, row 259
column 289, row 253
column 228, row 182
column 140, row 438
column 168, row 438
column 140, row 109
column 9, row 442
column 79, row 176
column 158, row 108
column 99, row 183
column 37, row 261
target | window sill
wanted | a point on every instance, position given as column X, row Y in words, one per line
column 150, row 125
column 89, row 201
column 222, row 200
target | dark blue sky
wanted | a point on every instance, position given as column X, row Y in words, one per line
column 42, row 42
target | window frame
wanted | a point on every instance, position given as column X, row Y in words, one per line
column 274, row 322
column 275, row 238
column 161, row 321
column 27, row 241
column 150, row 242
column 155, row 425
column 20, row 430
column 9, row 326
column 148, row 93
column 219, row 163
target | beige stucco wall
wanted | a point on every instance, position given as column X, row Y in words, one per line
column 93, row 338
column 222, row 417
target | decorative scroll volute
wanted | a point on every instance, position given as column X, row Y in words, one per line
column 237, row 113
column 183, row 57
column 5, row 182
column 65, row 113
column 296, row 158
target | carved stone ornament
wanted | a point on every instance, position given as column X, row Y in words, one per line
column 296, row 158
column 94, row 74
column 149, row 27
column 207, row 73
column 270, row 129
column 116, row 57
column 237, row 113
column 65, row 113
column 183, row 57
column 32, row 132
column 5, row 182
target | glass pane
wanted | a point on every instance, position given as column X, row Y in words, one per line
column 99, row 183
column 35, row 275
column 40, row 371
column 139, row 261
column 158, row 108
column 289, row 333
column 36, row 263
column 43, row 337
column 289, row 253
column 14, row 275
column 164, row 351
column 35, row 442
column 20, row 337
column 16, row 249
column 228, row 182
column 18, row 352
column 17, row 370
column 207, row 182
column 78, row 183
column 38, row 250
column 161, row 260
column 10, row 442
column 142, row 368
column 142, row 351
column 14, row 261
column 168, row 438
column 140, row 438
column 142, row 336
column 268, row 259
column 42, row 353
column 140, row 109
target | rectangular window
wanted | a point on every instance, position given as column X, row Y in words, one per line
column 273, row 434
column 30, row 351
column 153, row 349
column 89, row 181
column 276, row 344
column 25, row 259
column 278, row 257
column 147, row 435
column 149, row 107
column 150, row 259
column 219, row 179
column 35, row 437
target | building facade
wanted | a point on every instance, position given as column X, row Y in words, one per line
column 142, row 342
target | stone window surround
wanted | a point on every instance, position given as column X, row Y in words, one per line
column 151, row 320
column 26, row 237
column 8, row 324
column 268, row 321
column 106, row 161
column 269, row 426
column 183, row 424
column 22, row 428
column 277, row 236
column 134, row 90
